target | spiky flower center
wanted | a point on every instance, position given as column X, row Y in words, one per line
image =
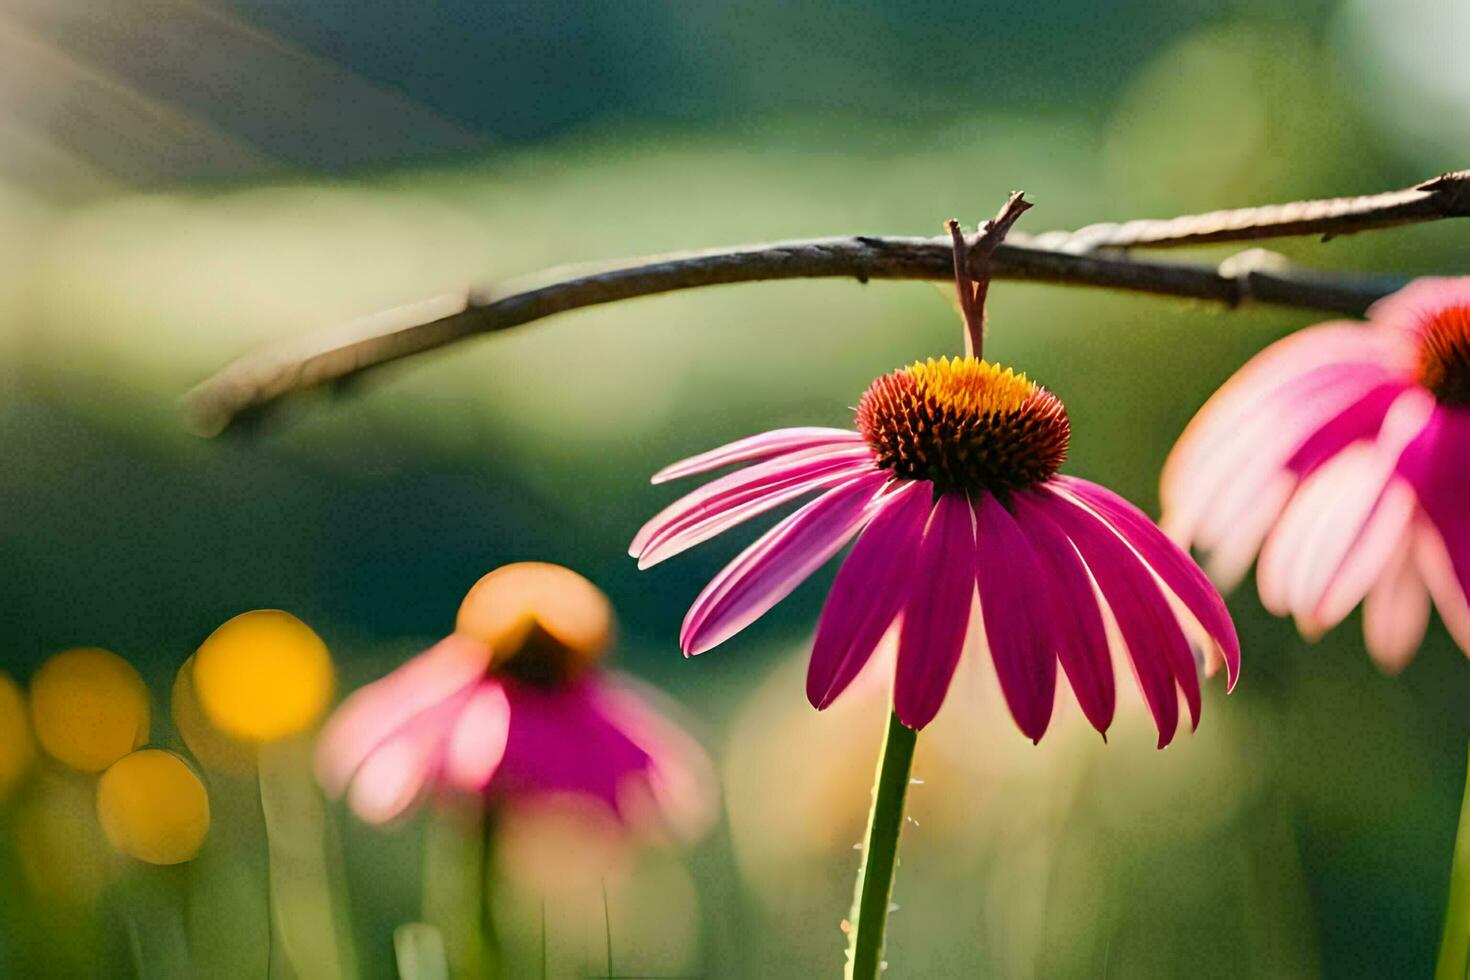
column 965, row 424
column 1444, row 354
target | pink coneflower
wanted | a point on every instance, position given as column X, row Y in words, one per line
column 1340, row 455
column 512, row 705
column 950, row 487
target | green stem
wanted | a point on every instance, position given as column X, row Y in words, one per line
column 874, row 889
column 1454, row 948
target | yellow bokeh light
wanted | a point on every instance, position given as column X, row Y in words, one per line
column 212, row 747
column 89, row 707
column 263, row 676
column 546, row 610
column 153, row 807
column 17, row 747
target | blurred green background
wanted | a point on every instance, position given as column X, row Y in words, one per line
column 181, row 181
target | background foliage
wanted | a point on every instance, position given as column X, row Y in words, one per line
column 184, row 181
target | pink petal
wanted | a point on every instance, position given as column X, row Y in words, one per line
column 1402, row 311
column 1277, row 370
column 397, row 772
column 1396, row 610
column 766, row 572
column 869, row 590
column 1080, row 634
column 1331, row 511
column 1202, row 473
column 1380, row 538
column 1249, row 522
column 680, row 776
column 730, row 500
column 373, row 714
column 477, row 742
column 758, row 446
column 1179, row 573
column 1018, row 616
column 1157, row 647
column 1437, row 570
column 937, row 614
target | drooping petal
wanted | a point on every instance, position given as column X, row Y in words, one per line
column 1360, row 420
column 766, row 572
column 1081, row 636
column 1396, row 610
column 1437, row 464
column 937, row 614
column 399, row 770
column 1169, row 562
column 1330, row 352
column 1250, row 521
column 1018, row 616
column 730, row 500
column 1331, row 510
column 1432, row 560
column 1380, row 539
column 1208, row 471
column 680, row 778
column 757, row 447
column 1157, row 647
column 373, row 714
column 868, row 593
column 477, row 741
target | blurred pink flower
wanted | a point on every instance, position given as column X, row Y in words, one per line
column 950, row 487
column 457, row 718
column 1342, row 455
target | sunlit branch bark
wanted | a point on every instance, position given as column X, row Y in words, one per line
column 1445, row 196
column 335, row 354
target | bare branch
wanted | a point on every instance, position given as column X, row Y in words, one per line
column 1446, row 196
column 346, row 351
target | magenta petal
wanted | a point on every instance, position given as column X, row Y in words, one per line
column 1179, row 572
column 1360, row 420
column 1018, row 618
column 1157, row 646
column 869, row 590
column 756, row 447
column 937, row 614
column 562, row 741
column 1081, row 636
column 766, row 572
column 1437, row 464
column 723, row 503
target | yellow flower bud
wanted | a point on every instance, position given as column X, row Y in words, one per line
column 17, row 746
column 263, row 676
column 90, row 708
column 153, row 807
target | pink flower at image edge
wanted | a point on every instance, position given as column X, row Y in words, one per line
column 1341, row 456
